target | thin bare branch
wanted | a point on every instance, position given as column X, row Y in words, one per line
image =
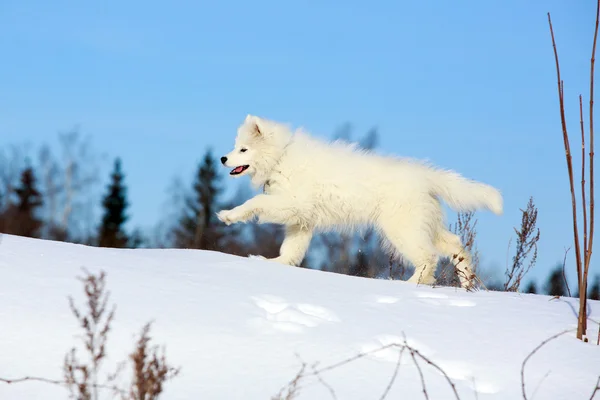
column 564, row 274
column 583, row 202
column 32, row 378
column 592, row 64
column 394, row 375
column 567, row 153
column 58, row 382
column 291, row 389
column 535, row 350
column 322, row 382
column 588, row 254
column 596, row 389
column 421, row 376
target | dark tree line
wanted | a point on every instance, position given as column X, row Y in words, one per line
column 556, row 285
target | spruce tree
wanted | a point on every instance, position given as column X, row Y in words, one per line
column 21, row 218
column 555, row 285
column 198, row 227
column 115, row 203
column 531, row 288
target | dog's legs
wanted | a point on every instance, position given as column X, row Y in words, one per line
column 425, row 261
column 268, row 208
column 411, row 234
column 450, row 245
column 294, row 245
column 420, row 253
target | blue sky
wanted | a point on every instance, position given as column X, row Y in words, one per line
column 469, row 85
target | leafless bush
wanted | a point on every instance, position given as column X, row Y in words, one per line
column 81, row 378
column 527, row 237
column 292, row 389
column 581, row 264
column 151, row 371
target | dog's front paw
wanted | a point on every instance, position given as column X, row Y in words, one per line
column 225, row 216
column 231, row 216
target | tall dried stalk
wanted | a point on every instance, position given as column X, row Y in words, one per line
column 588, row 255
column 527, row 237
column 150, row 371
column 582, row 265
column 82, row 378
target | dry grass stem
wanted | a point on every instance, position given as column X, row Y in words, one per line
column 527, row 238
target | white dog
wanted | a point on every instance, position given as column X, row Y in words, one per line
column 312, row 185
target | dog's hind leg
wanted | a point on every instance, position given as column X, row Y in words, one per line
column 424, row 259
column 450, row 245
column 411, row 234
column 294, row 246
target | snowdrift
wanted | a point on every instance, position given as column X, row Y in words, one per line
column 241, row 328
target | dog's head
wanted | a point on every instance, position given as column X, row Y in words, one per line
column 258, row 146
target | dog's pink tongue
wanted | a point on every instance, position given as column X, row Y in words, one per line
column 237, row 170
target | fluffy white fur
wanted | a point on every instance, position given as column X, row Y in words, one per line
column 313, row 185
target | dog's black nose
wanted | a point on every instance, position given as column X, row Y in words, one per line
column 223, row 160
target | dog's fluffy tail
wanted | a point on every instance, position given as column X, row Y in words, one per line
column 463, row 194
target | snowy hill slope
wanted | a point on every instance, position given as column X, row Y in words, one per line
column 239, row 327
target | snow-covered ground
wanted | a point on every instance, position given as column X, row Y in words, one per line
column 240, row 328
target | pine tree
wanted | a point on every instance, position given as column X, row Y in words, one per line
column 531, row 288
column 20, row 217
column 198, row 227
column 555, row 285
column 115, row 203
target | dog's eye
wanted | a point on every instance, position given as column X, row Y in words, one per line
column 243, row 150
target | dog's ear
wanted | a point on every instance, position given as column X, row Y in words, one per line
column 254, row 124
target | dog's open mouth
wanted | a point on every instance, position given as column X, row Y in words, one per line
column 239, row 170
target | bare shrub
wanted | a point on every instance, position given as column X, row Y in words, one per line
column 527, row 238
column 82, row 378
column 150, row 371
column 292, row 389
